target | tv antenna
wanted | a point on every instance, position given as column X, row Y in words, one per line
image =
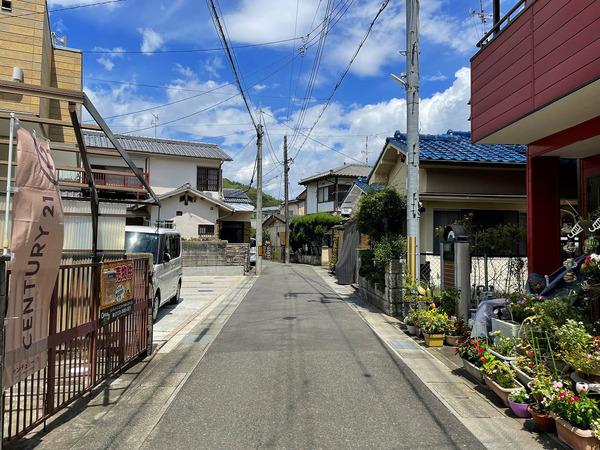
column 154, row 122
column 482, row 16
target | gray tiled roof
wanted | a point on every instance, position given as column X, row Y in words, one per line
column 232, row 195
column 156, row 145
column 347, row 170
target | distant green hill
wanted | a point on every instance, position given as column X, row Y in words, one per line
column 267, row 199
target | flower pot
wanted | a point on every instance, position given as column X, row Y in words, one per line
column 506, row 359
column 574, row 437
column 519, row 409
column 543, row 422
column 418, row 331
column 506, row 328
column 474, row 372
column 434, row 339
column 501, row 392
column 452, row 341
column 411, row 329
column 523, row 378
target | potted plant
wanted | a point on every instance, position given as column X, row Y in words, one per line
column 579, row 349
column 542, row 390
column 519, row 402
column 520, row 306
column 527, row 369
column 411, row 322
column 457, row 329
column 503, row 347
column 474, row 354
column 434, row 327
column 574, row 416
column 420, row 315
column 500, row 378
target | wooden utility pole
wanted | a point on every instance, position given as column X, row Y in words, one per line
column 412, row 138
column 286, row 200
column 259, row 182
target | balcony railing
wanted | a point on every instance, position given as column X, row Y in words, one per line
column 504, row 22
column 103, row 179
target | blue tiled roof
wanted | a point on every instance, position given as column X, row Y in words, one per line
column 457, row 146
column 361, row 183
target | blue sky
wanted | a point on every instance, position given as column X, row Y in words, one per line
column 368, row 103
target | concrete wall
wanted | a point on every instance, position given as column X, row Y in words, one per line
column 215, row 253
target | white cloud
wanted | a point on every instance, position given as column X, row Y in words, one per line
column 437, row 77
column 184, row 71
column 213, row 65
column 107, row 59
column 342, row 128
column 259, row 87
column 151, row 40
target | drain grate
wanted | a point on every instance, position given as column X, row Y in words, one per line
column 289, row 318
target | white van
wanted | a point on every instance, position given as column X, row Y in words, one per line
column 165, row 246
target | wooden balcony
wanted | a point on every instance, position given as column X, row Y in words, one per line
column 537, row 72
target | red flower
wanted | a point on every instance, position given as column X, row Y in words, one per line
column 480, row 350
column 482, row 359
column 573, row 399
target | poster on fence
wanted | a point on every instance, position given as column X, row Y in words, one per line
column 116, row 290
column 36, row 247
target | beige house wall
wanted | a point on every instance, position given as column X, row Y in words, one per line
column 66, row 73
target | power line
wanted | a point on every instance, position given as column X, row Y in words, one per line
column 66, row 8
column 317, row 141
column 219, row 28
column 191, row 50
column 344, row 73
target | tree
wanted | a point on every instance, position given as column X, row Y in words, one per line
column 381, row 213
column 307, row 232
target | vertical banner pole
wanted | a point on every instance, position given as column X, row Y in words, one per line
column 11, row 131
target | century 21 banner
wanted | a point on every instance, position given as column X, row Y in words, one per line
column 36, row 245
column 116, row 290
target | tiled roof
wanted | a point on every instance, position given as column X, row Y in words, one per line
column 457, row 146
column 363, row 185
column 159, row 146
column 235, row 196
column 347, row 170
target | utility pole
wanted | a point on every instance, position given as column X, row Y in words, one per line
column 286, row 169
column 412, row 137
column 259, row 181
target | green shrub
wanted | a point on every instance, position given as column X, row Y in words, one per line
column 388, row 249
column 447, row 299
column 307, row 232
column 381, row 213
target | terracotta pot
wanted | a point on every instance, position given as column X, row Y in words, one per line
column 544, row 422
column 501, row 392
column 452, row 341
column 475, row 372
column 574, row 437
column 434, row 339
column 520, row 409
column 411, row 329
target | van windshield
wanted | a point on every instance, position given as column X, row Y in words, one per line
column 136, row 242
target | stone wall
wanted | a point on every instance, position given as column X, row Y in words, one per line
column 215, row 253
column 388, row 297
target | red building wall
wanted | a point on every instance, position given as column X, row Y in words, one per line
column 549, row 50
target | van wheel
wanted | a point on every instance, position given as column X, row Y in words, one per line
column 177, row 299
column 155, row 306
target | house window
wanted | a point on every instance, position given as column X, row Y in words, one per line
column 179, row 213
column 186, row 199
column 290, row 213
column 208, row 179
column 325, row 194
column 206, row 231
column 6, row 5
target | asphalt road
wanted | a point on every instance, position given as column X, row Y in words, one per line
column 295, row 368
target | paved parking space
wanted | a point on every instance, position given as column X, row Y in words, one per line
column 197, row 292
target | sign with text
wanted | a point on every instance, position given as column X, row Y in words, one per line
column 116, row 290
column 36, row 245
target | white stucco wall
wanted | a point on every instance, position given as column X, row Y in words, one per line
column 312, row 206
column 168, row 173
column 200, row 212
